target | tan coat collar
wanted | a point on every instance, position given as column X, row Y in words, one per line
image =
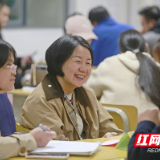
column 53, row 89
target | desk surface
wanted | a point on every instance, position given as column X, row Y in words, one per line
column 20, row 92
column 104, row 153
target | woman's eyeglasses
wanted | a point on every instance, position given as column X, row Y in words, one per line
column 12, row 67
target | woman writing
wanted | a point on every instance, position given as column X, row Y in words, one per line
column 61, row 102
column 14, row 145
column 7, row 79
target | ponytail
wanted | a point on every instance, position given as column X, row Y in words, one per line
column 149, row 78
column 149, row 73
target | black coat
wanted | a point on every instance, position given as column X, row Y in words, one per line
column 140, row 153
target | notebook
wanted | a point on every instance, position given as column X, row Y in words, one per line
column 71, row 147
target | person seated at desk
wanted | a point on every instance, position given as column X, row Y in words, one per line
column 14, row 144
column 7, row 79
column 148, row 123
column 129, row 78
column 61, row 102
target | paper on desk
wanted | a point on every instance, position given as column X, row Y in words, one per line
column 111, row 142
column 75, row 148
column 28, row 88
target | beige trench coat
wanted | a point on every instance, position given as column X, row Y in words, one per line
column 45, row 105
column 15, row 145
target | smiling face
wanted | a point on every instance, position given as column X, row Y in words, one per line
column 76, row 69
column 7, row 77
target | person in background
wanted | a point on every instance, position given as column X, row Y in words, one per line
column 148, row 122
column 14, row 145
column 23, row 70
column 4, row 15
column 79, row 25
column 129, row 78
column 156, row 51
column 71, row 15
column 61, row 102
column 107, row 31
column 150, row 19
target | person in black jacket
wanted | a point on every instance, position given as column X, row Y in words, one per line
column 148, row 123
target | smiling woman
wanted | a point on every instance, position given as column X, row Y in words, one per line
column 7, row 79
column 61, row 101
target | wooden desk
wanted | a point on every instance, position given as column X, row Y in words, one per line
column 19, row 97
column 104, row 153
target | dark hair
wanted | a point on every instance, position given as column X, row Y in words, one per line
column 97, row 14
column 73, row 14
column 152, row 12
column 5, row 49
column 3, row 3
column 149, row 74
column 60, row 50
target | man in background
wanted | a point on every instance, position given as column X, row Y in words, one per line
column 4, row 15
column 107, row 31
column 150, row 19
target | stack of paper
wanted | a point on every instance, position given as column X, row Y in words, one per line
column 73, row 148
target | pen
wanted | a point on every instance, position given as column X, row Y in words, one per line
column 42, row 127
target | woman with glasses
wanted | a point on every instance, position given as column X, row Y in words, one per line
column 7, row 79
column 14, row 145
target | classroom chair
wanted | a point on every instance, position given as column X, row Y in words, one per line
column 125, row 116
column 38, row 72
column 19, row 128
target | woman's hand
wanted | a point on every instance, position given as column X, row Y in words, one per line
column 150, row 115
column 42, row 137
column 109, row 134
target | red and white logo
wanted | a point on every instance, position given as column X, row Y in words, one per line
column 147, row 140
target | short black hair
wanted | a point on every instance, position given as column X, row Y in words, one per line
column 152, row 12
column 5, row 49
column 60, row 50
column 97, row 14
column 3, row 3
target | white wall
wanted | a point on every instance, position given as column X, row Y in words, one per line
column 123, row 11
column 26, row 41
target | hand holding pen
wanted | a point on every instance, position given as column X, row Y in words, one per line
column 42, row 127
column 41, row 137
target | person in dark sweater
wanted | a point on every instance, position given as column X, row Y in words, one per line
column 148, row 123
column 14, row 145
column 7, row 79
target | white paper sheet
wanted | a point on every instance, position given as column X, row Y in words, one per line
column 73, row 148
